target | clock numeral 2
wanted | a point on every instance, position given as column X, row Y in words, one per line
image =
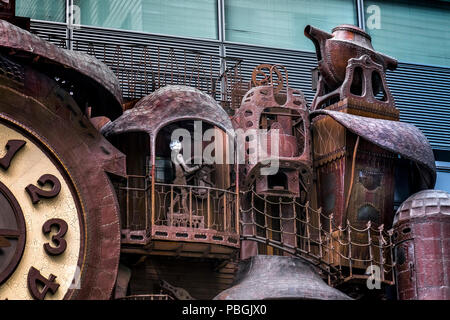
column 35, row 278
column 57, row 239
column 12, row 147
column 36, row 194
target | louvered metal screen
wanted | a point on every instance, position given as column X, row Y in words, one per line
column 422, row 93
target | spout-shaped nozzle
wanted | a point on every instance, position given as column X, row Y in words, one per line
column 314, row 33
column 318, row 37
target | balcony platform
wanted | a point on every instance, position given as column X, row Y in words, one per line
column 182, row 242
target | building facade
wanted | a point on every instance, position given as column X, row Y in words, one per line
column 146, row 227
column 150, row 43
column 129, row 35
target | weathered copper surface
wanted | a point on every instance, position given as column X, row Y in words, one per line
column 36, row 102
column 166, row 105
column 294, row 152
column 364, row 85
column 93, row 80
column 355, row 178
column 336, row 49
column 262, row 75
column 422, row 237
column 349, row 67
column 398, row 137
column 285, row 114
column 424, row 204
column 187, row 207
column 277, row 277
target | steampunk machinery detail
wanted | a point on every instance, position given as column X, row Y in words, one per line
column 171, row 197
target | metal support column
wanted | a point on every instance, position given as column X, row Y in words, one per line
column 360, row 14
column 221, row 37
column 69, row 24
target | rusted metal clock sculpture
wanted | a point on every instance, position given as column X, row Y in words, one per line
column 59, row 217
column 40, row 203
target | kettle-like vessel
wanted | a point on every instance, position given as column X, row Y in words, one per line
column 336, row 49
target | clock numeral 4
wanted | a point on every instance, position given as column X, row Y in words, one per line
column 35, row 278
column 57, row 239
column 36, row 194
column 12, row 147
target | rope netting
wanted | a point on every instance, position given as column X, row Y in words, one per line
column 290, row 226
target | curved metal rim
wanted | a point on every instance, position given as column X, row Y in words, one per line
column 89, row 270
column 9, row 270
column 425, row 163
column 12, row 37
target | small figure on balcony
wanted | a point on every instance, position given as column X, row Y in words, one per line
column 182, row 171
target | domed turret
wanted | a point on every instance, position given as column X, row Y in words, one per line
column 279, row 277
column 421, row 235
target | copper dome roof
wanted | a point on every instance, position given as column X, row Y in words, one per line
column 169, row 104
column 422, row 204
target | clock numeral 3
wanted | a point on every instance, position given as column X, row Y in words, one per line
column 36, row 194
column 57, row 239
column 35, row 278
column 12, row 147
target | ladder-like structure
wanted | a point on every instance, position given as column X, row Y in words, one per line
column 342, row 253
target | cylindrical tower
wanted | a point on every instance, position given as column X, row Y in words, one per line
column 422, row 251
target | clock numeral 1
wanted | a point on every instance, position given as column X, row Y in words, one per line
column 36, row 194
column 35, row 278
column 57, row 239
column 12, row 147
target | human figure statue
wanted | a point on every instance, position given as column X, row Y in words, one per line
column 182, row 170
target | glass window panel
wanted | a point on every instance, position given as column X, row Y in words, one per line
column 443, row 176
column 193, row 18
column 280, row 23
column 410, row 31
column 49, row 10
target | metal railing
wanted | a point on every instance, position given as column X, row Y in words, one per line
column 147, row 297
column 177, row 212
column 142, row 69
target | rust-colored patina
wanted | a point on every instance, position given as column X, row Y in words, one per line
column 422, row 235
column 355, row 158
column 166, row 105
column 186, row 215
column 364, row 87
column 397, row 137
column 91, row 82
column 275, row 131
column 350, row 67
column 357, row 140
column 336, row 49
column 260, row 110
column 276, row 277
column 42, row 87
column 38, row 103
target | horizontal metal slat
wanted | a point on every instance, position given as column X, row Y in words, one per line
column 421, row 92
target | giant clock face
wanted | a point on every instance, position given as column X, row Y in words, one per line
column 41, row 220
